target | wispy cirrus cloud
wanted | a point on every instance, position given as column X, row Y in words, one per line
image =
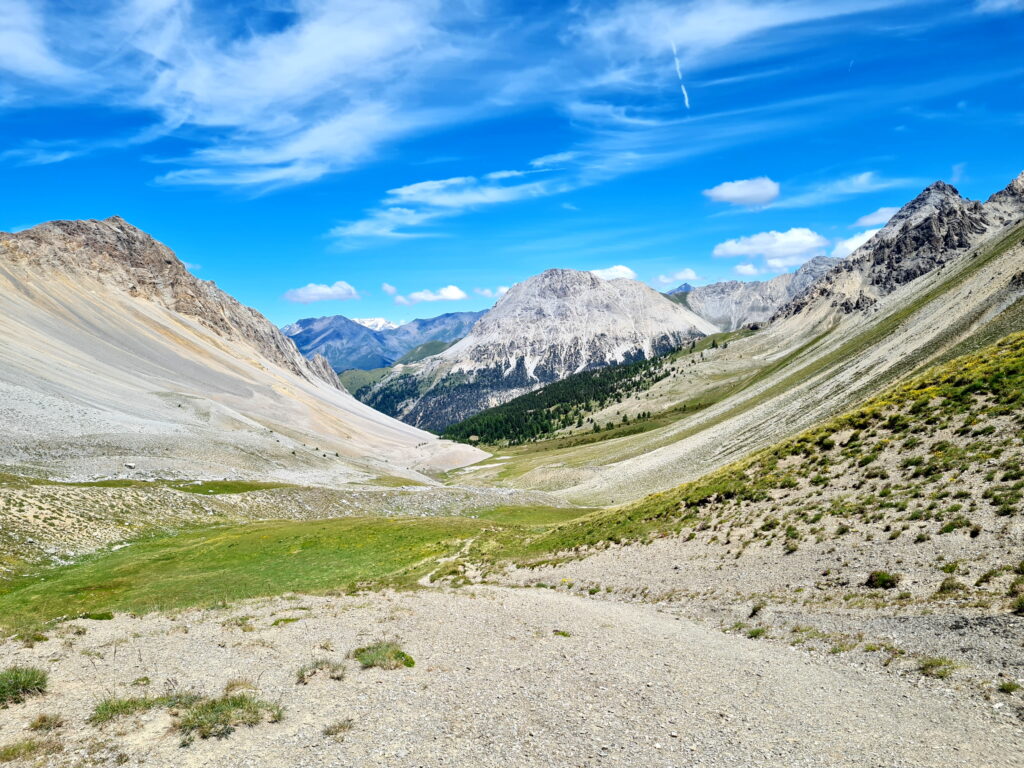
column 317, row 87
column 848, row 186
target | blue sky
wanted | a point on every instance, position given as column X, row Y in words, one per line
column 404, row 158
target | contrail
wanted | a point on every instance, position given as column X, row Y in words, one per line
column 679, row 74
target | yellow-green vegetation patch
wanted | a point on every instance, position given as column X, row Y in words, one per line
column 532, row 516
column 203, row 567
column 26, row 749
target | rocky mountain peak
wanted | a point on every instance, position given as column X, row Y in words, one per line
column 545, row 328
column 1007, row 205
column 122, row 257
column 934, row 228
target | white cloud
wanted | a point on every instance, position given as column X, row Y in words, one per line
column 845, row 247
column 569, row 207
column 878, row 218
column 558, row 158
column 748, row 270
column 501, row 290
column 448, row 293
column 340, row 291
column 957, row 173
column 857, row 184
column 25, row 48
column 388, row 288
column 678, row 277
column 386, row 222
column 745, row 191
column 416, row 204
column 779, row 249
column 615, row 273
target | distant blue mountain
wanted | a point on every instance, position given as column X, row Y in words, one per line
column 684, row 288
column 347, row 344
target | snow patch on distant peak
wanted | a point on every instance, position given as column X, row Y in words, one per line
column 375, row 323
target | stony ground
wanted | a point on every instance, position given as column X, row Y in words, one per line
column 502, row 677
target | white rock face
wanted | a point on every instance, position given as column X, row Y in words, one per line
column 734, row 303
column 544, row 329
column 113, row 354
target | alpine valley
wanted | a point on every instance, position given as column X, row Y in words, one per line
column 768, row 522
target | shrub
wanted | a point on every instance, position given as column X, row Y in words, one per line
column 882, row 580
column 756, row 632
column 561, row 633
column 950, row 585
column 1018, row 606
column 18, row 682
column 383, row 654
column 334, row 669
column 1009, row 686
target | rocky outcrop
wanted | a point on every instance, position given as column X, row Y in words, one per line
column 734, row 303
column 931, row 230
column 351, row 344
column 548, row 327
column 126, row 259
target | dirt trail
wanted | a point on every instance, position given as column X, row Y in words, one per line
column 494, row 685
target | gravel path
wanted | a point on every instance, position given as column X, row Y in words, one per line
column 494, row 685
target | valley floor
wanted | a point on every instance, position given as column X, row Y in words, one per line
column 502, row 677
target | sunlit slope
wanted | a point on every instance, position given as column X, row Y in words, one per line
column 799, row 371
column 113, row 354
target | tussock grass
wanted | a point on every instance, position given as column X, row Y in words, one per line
column 18, row 683
column 384, row 655
column 218, row 718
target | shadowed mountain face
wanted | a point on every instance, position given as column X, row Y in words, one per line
column 350, row 344
column 114, row 354
column 550, row 326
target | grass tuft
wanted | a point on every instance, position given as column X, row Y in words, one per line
column 334, row 669
column 339, row 728
column 936, row 666
column 218, row 718
column 46, row 723
column 26, row 749
column 16, row 683
column 385, row 655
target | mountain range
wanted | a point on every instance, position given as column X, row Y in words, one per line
column 374, row 342
column 547, row 327
column 732, row 304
